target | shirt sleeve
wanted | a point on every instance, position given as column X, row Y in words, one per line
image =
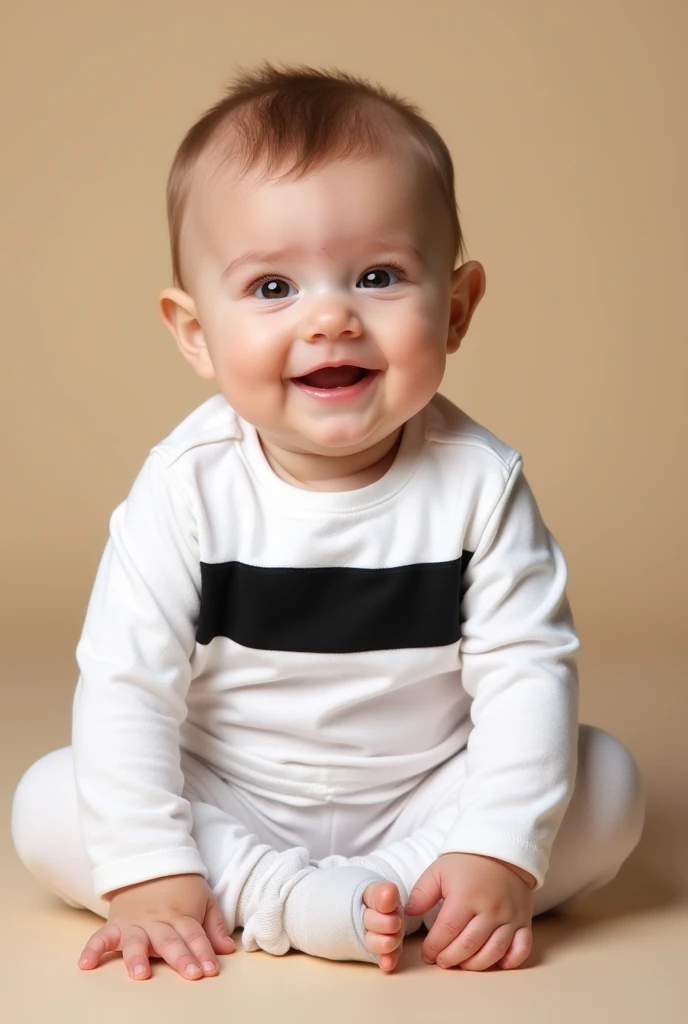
column 130, row 699
column 517, row 663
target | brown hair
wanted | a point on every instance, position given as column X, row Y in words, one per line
column 310, row 116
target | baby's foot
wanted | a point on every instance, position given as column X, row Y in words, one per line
column 383, row 923
column 350, row 912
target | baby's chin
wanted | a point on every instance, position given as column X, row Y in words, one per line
column 332, row 436
column 333, row 440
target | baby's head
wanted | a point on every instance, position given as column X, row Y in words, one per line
column 313, row 222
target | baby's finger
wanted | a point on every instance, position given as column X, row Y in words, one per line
column 491, row 951
column 136, row 951
column 169, row 945
column 450, row 922
column 198, row 942
column 520, row 949
column 105, row 940
column 467, row 943
column 216, row 929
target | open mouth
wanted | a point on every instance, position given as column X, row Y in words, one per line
column 333, row 377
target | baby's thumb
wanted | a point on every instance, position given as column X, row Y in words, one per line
column 425, row 894
column 216, row 930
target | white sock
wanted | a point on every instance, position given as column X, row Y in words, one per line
column 376, row 862
column 323, row 914
column 262, row 897
column 288, row 903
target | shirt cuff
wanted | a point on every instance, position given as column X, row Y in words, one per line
column 502, row 845
column 146, row 866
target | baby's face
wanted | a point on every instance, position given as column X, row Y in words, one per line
column 350, row 265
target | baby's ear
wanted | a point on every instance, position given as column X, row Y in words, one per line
column 467, row 289
column 178, row 312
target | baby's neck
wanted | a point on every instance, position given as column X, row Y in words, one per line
column 314, row 472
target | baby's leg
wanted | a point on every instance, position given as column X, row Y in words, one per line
column 251, row 880
column 324, row 907
column 279, row 898
column 47, row 836
column 601, row 827
column 284, row 901
column 46, row 833
column 400, row 861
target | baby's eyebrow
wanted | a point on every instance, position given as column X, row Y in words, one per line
column 258, row 256
column 264, row 256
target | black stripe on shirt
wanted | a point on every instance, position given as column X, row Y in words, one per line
column 332, row 610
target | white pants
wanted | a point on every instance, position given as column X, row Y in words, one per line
column 233, row 827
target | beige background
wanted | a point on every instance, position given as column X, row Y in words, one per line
column 567, row 122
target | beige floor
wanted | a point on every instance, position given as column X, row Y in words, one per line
column 619, row 956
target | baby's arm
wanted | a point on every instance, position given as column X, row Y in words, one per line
column 130, row 699
column 517, row 658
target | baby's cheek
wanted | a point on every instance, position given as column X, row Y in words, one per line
column 419, row 332
column 252, row 365
column 408, row 390
column 255, row 390
column 421, row 352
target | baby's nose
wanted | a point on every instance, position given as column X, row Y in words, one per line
column 331, row 323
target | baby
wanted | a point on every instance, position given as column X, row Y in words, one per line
column 328, row 690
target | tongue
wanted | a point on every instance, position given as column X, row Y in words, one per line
column 333, row 376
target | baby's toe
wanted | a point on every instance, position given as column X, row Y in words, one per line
column 385, row 924
column 377, row 943
column 381, row 896
column 388, row 961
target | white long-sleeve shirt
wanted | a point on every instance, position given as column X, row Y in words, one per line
column 325, row 643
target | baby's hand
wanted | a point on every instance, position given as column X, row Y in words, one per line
column 176, row 918
column 486, row 915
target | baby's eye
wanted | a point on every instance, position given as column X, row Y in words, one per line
column 378, row 277
column 272, row 288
